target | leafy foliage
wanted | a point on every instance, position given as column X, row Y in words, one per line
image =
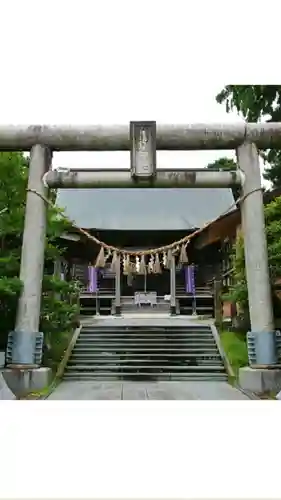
column 226, row 164
column 255, row 103
column 239, row 294
column 235, row 347
column 59, row 305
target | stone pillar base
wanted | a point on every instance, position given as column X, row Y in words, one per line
column 260, row 380
column 173, row 310
column 24, row 348
column 117, row 310
column 21, row 381
column 265, row 348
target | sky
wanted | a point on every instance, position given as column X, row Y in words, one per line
column 88, row 64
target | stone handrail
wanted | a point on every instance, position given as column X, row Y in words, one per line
column 67, row 354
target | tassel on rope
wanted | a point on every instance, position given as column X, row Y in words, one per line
column 151, row 264
column 127, row 264
column 129, row 279
column 165, row 259
column 130, row 269
column 157, row 265
column 142, row 268
column 169, row 258
column 100, row 262
column 183, row 255
column 133, row 267
column 123, row 267
column 108, row 255
column 114, row 262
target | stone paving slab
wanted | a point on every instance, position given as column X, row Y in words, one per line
column 93, row 390
column 5, row 392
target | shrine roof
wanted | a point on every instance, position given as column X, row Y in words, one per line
column 136, row 209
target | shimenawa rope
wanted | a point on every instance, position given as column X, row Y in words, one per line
column 175, row 246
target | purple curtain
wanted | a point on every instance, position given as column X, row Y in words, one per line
column 93, row 279
column 189, row 275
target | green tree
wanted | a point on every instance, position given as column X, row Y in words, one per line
column 226, row 164
column 239, row 293
column 256, row 103
column 58, row 314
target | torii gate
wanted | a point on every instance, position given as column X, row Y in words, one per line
column 142, row 139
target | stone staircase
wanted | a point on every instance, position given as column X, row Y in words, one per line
column 139, row 352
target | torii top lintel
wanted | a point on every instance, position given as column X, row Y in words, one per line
column 117, row 137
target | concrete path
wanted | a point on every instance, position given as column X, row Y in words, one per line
column 93, row 390
column 5, row 392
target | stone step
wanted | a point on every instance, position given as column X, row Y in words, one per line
column 98, row 353
column 94, row 367
column 143, row 344
column 155, row 376
column 145, row 340
column 147, row 333
column 162, row 364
